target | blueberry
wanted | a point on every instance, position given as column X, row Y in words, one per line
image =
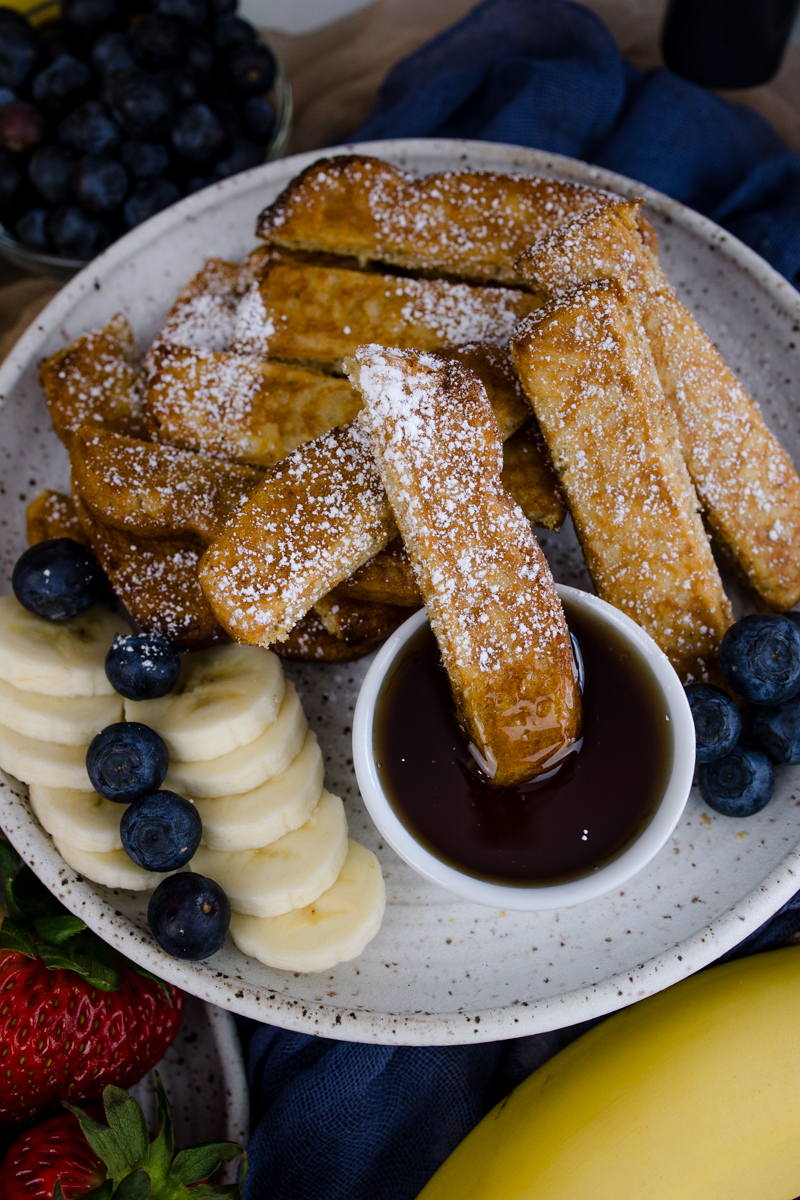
column 50, row 171
column 250, row 69
column 197, row 183
column 61, row 84
column 187, row 88
column 22, row 127
column 149, row 197
column 89, row 16
column 189, row 12
column 157, row 41
column 230, row 31
column 31, row 228
column 111, row 52
column 89, row 129
column 100, row 184
column 75, row 234
column 794, row 617
column 198, row 134
column 221, row 8
column 760, row 658
column 142, row 104
column 775, row 729
column 738, row 785
column 200, row 57
column 145, row 160
column 258, row 119
column 58, row 579
column 7, row 96
column 243, row 155
column 142, row 666
column 126, row 761
column 717, row 721
column 12, row 183
column 161, row 831
column 189, row 916
column 19, row 54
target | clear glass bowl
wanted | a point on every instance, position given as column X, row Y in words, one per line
column 40, row 262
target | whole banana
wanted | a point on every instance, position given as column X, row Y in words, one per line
column 693, row 1094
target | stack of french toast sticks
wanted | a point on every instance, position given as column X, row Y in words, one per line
column 287, row 466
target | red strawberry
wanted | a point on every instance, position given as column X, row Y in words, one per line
column 55, row 1149
column 73, row 1015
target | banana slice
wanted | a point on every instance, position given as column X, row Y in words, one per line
column 34, row 761
column 248, row 766
column 334, row 929
column 290, row 873
column 258, row 818
column 67, row 720
column 57, row 658
column 226, row 697
column 78, row 818
column 113, row 869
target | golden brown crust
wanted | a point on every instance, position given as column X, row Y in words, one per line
column 530, row 478
column 94, row 381
column 358, row 622
column 488, row 590
column 156, row 490
column 52, row 515
column 586, row 365
column 309, row 641
column 468, row 224
column 749, row 489
column 388, row 578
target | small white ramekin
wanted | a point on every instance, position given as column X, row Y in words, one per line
column 532, row 897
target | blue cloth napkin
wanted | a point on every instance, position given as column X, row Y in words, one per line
column 344, row 1121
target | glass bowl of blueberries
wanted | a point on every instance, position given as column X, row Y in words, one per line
column 111, row 110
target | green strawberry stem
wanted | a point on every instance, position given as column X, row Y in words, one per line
column 139, row 1169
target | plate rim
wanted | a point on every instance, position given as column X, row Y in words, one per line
column 345, row 1022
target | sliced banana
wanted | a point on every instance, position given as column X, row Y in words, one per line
column 57, row 658
column 257, row 818
column 67, row 720
column 112, row 869
column 334, row 929
column 288, row 874
column 226, row 697
column 78, row 818
column 34, row 761
column 248, row 766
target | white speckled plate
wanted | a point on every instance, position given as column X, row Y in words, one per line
column 439, row 970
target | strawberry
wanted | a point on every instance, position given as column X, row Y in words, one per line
column 54, row 1150
column 74, row 1016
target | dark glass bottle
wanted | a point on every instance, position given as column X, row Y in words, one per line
column 727, row 43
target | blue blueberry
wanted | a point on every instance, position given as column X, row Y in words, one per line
column 89, row 129
column 157, row 41
column 230, row 31
column 149, row 197
column 161, row 831
column 142, row 104
column 221, row 8
column 100, row 184
column 242, row 156
column 760, row 658
column 258, row 119
column 142, row 666
column 89, row 16
column 193, row 13
column 198, row 134
column 794, row 617
column 200, row 57
column 145, row 160
column 58, row 579
column 12, row 183
column 197, row 183
column 738, row 785
column 19, row 54
column 76, row 234
column 62, row 84
column 31, row 228
column 189, row 916
column 250, row 69
column 22, row 127
column 7, row 96
column 187, row 87
column 126, row 761
column 775, row 729
column 717, row 721
column 50, row 171
column 111, row 52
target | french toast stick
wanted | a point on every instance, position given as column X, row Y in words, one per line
column 51, row 515
column 358, row 622
column 240, row 408
column 95, row 381
column 317, row 315
column 157, row 490
column 310, row 641
column 388, row 578
column 467, row 224
column 586, row 365
column 749, row 490
column 490, row 597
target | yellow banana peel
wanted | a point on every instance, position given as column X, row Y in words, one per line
column 693, row 1094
